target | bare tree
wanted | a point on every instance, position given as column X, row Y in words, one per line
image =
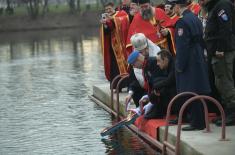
column 33, row 7
column 45, row 7
column 78, row 6
column 9, row 9
column 72, row 6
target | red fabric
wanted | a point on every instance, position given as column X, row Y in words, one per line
column 105, row 44
column 107, row 39
column 212, row 116
column 195, row 8
column 138, row 25
column 146, row 86
column 170, row 24
column 151, row 126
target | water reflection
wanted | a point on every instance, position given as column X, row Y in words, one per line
column 45, row 80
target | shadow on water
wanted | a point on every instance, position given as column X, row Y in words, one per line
column 45, row 80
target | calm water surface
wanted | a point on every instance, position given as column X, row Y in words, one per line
column 45, row 80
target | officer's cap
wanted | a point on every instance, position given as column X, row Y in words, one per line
column 178, row 1
column 133, row 57
column 144, row 1
column 139, row 41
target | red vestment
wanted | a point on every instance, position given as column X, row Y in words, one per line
column 170, row 25
column 115, row 39
column 194, row 7
column 150, row 28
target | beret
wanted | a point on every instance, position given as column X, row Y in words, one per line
column 132, row 57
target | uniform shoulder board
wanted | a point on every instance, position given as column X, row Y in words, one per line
column 222, row 14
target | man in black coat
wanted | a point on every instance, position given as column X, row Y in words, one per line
column 164, row 88
column 190, row 65
column 220, row 41
column 159, row 80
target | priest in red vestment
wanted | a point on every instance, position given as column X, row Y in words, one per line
column 148, row 21
column 168, row 31
column 114, row 30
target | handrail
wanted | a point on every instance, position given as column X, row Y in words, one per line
column 117, row 90
column 189, row 101
column 169, row 111
column 112, row 86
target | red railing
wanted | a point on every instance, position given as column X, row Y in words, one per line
column 115, row 80
column 118, row 79
column 117, row 90
column 195, row 97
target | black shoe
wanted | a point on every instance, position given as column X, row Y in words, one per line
column 229, row 121
column 175, row 121
column 192, row 128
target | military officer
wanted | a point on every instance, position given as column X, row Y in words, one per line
column 190, row 64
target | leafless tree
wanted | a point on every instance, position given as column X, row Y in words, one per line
column 33, row 8
column 45, row 7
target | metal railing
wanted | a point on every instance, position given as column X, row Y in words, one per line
column 175, row 148
column 118, row 79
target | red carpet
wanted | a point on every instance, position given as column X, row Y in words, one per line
column 150, row 126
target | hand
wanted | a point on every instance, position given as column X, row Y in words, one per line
column 108, row 17
column 157, row 93
column 103, row 21
column 128, row 98
column 219, row 54
column 164, row 31
column 144, row 99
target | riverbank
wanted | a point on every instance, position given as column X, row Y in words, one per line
column 192, row 142
column 51, row 21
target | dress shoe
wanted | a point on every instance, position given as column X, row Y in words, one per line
column 192, row 128
column 175, row 121
column 229, row 121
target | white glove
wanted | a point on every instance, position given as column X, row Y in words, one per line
column 137, row 111
column 143, row 98
column 147, row 107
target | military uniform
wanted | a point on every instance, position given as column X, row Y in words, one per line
column 220, row 37
column 190, row 65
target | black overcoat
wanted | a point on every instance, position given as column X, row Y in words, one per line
column 190, row 64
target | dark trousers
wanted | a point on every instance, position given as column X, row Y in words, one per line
column 194, row 113
column 160, row 103
column 138, row 93
column 234, row 71
column 214, row 91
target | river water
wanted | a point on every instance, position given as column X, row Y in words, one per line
column 45, row 80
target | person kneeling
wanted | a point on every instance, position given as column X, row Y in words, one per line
column 164, row 88
column 159, row 80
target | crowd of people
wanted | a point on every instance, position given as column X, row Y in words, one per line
column 179, row 46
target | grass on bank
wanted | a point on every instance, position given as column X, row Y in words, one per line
column 52, row 9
